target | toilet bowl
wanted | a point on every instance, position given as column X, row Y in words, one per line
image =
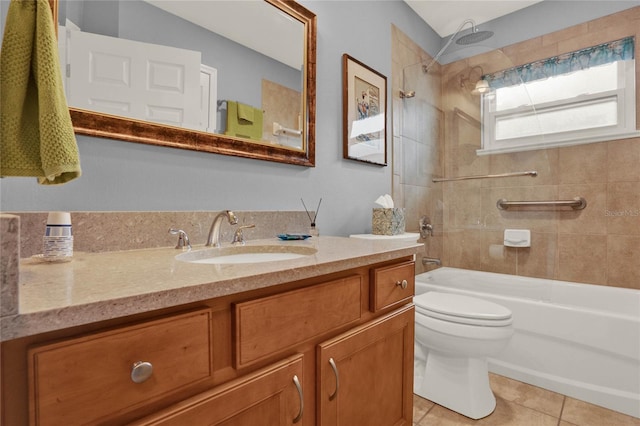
column 454, row 335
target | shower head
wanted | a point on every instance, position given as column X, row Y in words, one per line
column 474, row 36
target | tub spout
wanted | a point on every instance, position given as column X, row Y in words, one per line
column 431, row 261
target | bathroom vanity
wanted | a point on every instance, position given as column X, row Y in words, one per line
column 140, row 337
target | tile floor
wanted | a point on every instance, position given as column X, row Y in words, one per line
column 520, row 404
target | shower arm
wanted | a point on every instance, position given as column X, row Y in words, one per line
column 435, row 58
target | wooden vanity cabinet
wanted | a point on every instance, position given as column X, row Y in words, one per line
column 365, row 376
column 271, row 396
column 236, row 367
column 86, row 379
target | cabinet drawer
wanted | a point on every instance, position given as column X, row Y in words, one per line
column 87, row 379
column 271, row 396
column 265, row 326
column 392, row 285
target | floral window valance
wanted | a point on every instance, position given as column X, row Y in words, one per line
column 605, row 53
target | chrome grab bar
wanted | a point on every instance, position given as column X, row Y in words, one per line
column 578, row 203
column 531, row 173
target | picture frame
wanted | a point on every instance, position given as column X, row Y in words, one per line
column 364, row 112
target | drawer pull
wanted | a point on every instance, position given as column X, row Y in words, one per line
column 141, row 371
column 299, row 387
column 333, row 365
column 402, row 284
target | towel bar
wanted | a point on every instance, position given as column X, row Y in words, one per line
column 531, row 173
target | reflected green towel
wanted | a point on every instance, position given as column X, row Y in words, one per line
column 243, row 129
column 36, row 132
column 245, row 114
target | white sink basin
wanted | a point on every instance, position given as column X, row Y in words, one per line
column 246, row 254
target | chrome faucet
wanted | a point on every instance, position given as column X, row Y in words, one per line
column 214, row 232
column 238, row 236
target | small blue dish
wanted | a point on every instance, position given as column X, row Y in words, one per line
column 289, row 237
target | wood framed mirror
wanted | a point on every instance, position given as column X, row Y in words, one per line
column 283, row 126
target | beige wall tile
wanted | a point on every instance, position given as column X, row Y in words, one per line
column 593, row 38
column 494, row 256
column 565, row 34
column 623, row 160
column 464, row 206
column 416, row 204
column 581, row 258
column 396, row 158
column 433, row 249
column 623, row 261
column 540, row 259
column 544, row 161
column 583, row 163
column 436, row 208
column 540, row 219
column 623, row 208
column 523, row 49
column 590, row 220
column 462, row 248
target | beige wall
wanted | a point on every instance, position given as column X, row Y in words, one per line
column 598, row 245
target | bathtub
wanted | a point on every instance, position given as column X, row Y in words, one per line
column 579, row 340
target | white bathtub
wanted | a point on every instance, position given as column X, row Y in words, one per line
column 580, row 340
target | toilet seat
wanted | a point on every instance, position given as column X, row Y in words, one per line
column 462, row 309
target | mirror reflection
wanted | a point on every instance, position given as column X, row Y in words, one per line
column 233, row 68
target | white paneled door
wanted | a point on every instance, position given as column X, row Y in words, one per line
column 133, row 79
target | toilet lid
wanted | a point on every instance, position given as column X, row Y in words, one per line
column 463, row 309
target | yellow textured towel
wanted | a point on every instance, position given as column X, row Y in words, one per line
column 243, row 128
column 36, row 132
column 245, row 113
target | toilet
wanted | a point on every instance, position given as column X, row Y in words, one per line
column 454, row 336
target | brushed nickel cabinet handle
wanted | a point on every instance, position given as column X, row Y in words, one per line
column 141, row 371
column 299, row 388
column 333, row 365
column 402, row 284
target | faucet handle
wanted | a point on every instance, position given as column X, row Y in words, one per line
column 238, row 236
column 183, row 239
column 426, row 228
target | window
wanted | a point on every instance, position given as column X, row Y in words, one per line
column 579, row 97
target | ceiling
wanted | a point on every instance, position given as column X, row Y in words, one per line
column 445, row 16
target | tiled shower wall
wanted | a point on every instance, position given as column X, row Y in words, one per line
column 418, row 143
column 597, row 245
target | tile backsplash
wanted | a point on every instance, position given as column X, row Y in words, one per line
column 113, row 231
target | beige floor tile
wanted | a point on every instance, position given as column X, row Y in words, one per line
column 506, row 414
column 584, row 414
column 529, row 396
column 420, row 407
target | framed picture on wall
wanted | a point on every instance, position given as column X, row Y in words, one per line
column 364, row 108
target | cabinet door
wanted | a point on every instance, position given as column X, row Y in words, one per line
column 366, row 375
column 271, row 396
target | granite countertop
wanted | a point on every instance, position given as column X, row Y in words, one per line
column 100, row 286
